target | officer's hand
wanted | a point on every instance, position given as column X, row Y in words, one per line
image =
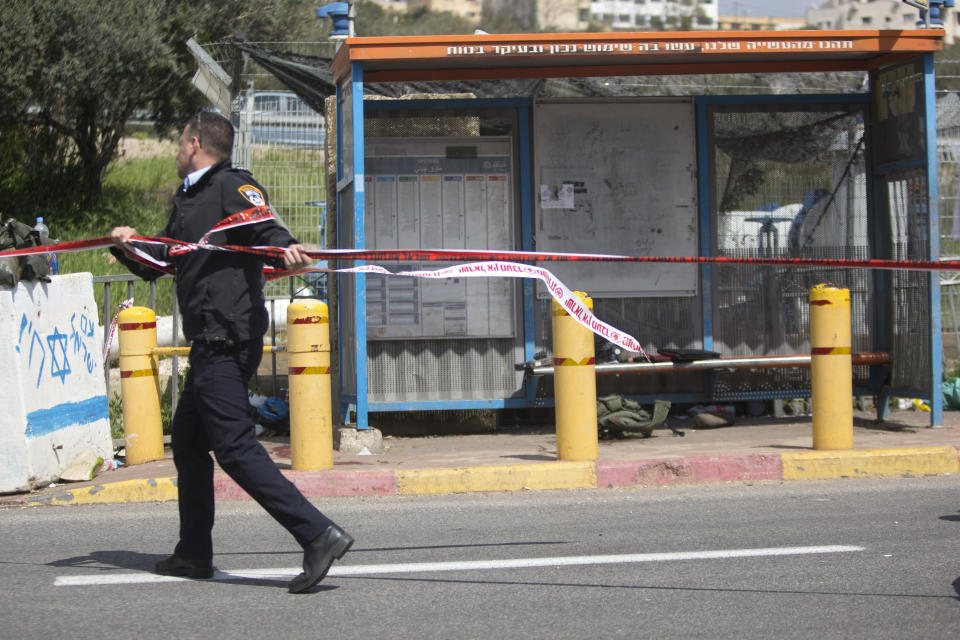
column 122, row 235
column 295, row 258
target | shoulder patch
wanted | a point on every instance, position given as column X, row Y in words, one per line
column 253, row 195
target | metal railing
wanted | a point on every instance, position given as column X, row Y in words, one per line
column 108, row 311
column 126, row 282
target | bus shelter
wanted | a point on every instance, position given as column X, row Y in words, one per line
column 795, row 173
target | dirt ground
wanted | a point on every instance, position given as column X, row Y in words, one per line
column 137, row 148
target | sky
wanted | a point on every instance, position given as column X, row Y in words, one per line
column 776, row 8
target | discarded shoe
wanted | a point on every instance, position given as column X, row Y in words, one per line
column 330, row 545
column 709, row 420
column 184, row 567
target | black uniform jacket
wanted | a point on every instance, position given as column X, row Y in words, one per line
column 220, row 293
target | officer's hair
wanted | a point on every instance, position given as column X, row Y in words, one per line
column 214, row 132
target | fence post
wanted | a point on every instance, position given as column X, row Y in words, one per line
column 140, row 385
column 574, row 385
column 308, row 352
column 831, row 369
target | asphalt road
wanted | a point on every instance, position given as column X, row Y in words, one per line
column 844, row 559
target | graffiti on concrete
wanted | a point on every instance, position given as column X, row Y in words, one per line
column 83, row 339
column 57, row 347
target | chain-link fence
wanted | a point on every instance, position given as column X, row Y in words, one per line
column 282, row 141
column 948, row 153
column 789, row 181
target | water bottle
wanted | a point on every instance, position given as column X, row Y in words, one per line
column 45, row 239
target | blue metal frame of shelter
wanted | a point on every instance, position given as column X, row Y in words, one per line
column 933, row 228
column 358, row 402
column 883, row 281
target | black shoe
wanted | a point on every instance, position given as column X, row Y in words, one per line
column 183, row 567
column 330, row 545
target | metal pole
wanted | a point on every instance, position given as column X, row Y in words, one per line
column 273, row 343
column 175, row 380
column 756, row 362
column 107, row 321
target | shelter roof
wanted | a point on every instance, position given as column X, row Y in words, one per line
column 553, row 55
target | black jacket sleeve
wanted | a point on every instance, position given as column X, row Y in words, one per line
column 160, row 252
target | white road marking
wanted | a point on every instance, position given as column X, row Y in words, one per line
column 465, row 565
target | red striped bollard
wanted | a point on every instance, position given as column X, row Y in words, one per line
column 308, row 351
column 139, row 385
column 831, row 369
column 574, row 385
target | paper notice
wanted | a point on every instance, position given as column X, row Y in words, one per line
column 562, row 199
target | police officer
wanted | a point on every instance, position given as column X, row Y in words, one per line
column 222, row 305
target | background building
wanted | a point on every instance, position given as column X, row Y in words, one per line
column 543, row 15
column 655, row 14
column 466, row 9
column 758, row 23
column 393, row 5
column 874, row 14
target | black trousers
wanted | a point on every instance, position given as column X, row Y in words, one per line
column 214, row 414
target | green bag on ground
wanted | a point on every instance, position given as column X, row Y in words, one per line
column 951, row 394
column 16, row 235
column 617, row 416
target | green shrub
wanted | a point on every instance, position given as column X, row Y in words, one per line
column 115, row 406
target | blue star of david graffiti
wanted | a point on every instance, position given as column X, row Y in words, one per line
column 58, row 369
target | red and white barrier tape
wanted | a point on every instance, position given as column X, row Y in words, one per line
column 483, row 263
column 259, row 214
column 126, row 304
column 560, row 292
column 456, row 255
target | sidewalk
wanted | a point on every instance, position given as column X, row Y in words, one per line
column 526, row 459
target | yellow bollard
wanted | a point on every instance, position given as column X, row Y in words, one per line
column 308, row 350
column 574, row 385
column 139, row 385
column 831, row 371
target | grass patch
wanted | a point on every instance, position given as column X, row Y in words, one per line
column 136, row 193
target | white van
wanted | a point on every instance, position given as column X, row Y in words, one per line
column 281, row 117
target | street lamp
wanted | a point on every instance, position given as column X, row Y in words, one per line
column 931, row 12
column 341, row 14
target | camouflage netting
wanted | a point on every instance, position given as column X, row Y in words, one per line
column 309, row 77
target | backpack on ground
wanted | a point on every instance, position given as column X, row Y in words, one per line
column 617, row 416
column 16, row 235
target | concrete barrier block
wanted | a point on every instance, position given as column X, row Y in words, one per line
column 51, row 372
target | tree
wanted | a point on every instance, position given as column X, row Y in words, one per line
column 77, row 79
column 73, row 72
